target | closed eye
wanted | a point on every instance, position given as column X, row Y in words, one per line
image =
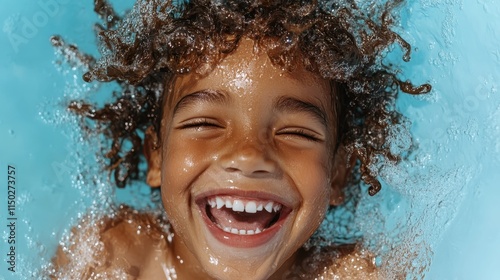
column 199, row 124
column 300, row 132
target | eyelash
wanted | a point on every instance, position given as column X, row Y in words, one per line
column 301, row 133
column 198, row 123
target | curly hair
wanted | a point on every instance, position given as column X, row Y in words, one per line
column 160, row 39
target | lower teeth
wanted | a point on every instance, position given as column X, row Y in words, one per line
column 240, row 231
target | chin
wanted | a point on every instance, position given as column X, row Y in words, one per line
column 245, row 236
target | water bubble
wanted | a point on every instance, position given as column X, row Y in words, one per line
column 213, row 260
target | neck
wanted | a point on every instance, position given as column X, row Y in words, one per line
column 186, row 265
column 288, row 266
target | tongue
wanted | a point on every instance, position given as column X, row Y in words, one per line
column 241, row 220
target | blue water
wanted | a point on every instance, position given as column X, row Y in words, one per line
column 442, row 204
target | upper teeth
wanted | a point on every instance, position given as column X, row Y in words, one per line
column 239, row 205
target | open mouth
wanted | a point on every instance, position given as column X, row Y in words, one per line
column 243, row 217
column 243, row 221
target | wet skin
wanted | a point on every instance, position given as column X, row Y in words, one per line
column 247, row 131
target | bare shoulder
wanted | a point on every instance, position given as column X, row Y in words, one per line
column 340, row 262
column 126, row 245
column 352, row 264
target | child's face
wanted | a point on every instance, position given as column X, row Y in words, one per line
column 248, row 136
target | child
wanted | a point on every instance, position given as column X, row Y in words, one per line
column 253, row 116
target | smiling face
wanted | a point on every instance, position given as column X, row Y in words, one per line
column 246, row 166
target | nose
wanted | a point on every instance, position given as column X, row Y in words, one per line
column 250, row 159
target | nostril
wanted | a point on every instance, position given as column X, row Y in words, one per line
column 232, row 169
column 260, row 172
column 249, row 171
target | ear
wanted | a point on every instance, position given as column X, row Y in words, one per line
column 152, row 152
column 343, row 164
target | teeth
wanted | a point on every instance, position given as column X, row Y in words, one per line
column 277, row 207
column 241, row 231
column 219, row 202
column 212, row 203
column 269, row 207
column 238, row 205
column 251, row 207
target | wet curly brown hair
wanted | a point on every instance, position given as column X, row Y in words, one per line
column 158, row 40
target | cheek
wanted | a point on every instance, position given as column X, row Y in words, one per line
column 181, row 165
column 182, row 160
column 316, row 197
column 310, row 173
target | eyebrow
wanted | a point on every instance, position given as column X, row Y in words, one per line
column 293, row 105
column 208, row 96
column 281, row 104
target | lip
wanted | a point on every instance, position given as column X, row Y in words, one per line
column 243, row 241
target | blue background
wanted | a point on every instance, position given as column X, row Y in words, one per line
column 446, row 196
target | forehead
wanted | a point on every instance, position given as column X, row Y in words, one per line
column 248, row 71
